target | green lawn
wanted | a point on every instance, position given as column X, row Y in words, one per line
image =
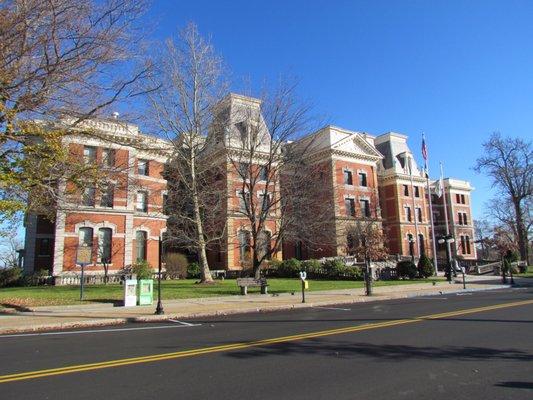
column 180, row 289
column 528, row 274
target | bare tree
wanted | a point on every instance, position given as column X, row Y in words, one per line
column 9, row 256
column 190, row 79
column 272, row 177
column 508, row 162
column 59, row 59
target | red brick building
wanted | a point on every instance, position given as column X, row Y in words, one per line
column 346, row 168
column 403, row 198
column 121, row 220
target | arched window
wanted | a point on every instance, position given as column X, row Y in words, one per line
column 245, row 245
column 141, row 239
column 104, row 245
column 86, row 237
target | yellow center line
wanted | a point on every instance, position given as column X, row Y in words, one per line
column 245, row 345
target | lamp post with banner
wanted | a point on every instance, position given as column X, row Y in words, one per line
column 83, row 258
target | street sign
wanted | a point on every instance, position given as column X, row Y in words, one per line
column 84, row 255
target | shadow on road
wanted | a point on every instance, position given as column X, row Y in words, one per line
column 346, row 349
column 516, row 385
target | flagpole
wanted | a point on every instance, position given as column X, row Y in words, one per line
column 434, row 245
column 445, row 209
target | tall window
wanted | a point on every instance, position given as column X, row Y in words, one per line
column 87, row 198
column 245, row 245
column 244, row 201
column 89, row 154
column 467, row 240
column 405, row 190
column 244, row 170
column 463, row 200
column 86, row 237
column 350, row 207
column 417, row 191
column 365, row 208
column 407, row 210
column 263, row 173
column 362, row 179
column 142, row 201
column 348, row 180
column 44, row 247
column 458, row 198
column 419, row 214
column 411, row 244
column 140, row 241
column 108, row 157
column 460, row 218
column 243, row 133
column 143, row 167
column 108, row 194
column 422, row 244
column 298, row 250
column 465, row 219
column 265, row 201
column 104, row 245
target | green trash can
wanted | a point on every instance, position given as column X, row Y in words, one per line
column 146, row 292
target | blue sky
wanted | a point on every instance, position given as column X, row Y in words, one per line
column 456, row 70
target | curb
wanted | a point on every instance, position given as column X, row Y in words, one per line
column 265, row 309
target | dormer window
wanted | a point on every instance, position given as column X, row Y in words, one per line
column 243, row 132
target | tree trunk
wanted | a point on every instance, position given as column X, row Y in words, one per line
column 256, row 267
column 202, row 253
column 521, row 231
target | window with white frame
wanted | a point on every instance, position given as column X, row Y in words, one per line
column 108, row 194
column 407, row 211
column 85, row 236
column 143, row 167
column 244, row 200
column 141, row 203
column 265, row 201
column 362, row 179
column 419, row 214
column 349, row 204
column 108, row 157
column 348, row 179
column 365, row 208
column 245, row 245
column 87, row 199
column 89, row 154
column 104, row 245
column 141, row 238
column 263, row 173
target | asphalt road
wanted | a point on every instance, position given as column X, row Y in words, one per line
column 470, row 346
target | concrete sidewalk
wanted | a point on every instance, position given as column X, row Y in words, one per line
column 65, row 317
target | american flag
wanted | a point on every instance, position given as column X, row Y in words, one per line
column 424, row 149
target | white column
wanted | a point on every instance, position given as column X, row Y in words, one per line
column 59, row 243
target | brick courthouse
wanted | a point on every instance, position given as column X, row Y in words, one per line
column 364, row 176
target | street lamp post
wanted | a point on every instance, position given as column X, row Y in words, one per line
column 448, row 239
column 159, row 309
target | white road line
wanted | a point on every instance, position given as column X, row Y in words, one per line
column 463, row 294
column 183, row 322
column 334, row 308
column 182, row 325
column 431, row 298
